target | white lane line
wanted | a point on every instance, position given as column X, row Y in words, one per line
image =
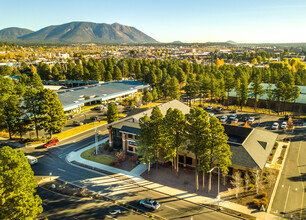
column 286, row 201
column 61, row 170
column 170, row 207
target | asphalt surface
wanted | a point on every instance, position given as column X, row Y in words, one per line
column 290, row 199
column 52, row 160
column 57, row 206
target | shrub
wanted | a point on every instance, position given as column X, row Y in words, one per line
column 113, row 163
column 285, row 146
column 264, row 194
column 280, row 157
column 134, row 158
column 117, row 165
column 110, row 149
column 251, row 186
column 121, row 156
column 276, row 144
column 256, row 203
column 264, row 202
column 134, row 165
column 265, row 179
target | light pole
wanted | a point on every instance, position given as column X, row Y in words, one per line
column 218, row 197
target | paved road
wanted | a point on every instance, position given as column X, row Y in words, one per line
column 53, row 161
column 62, row 207
column 290, row 199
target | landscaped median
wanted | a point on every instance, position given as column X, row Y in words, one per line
column 104, row 159
column 82, row 128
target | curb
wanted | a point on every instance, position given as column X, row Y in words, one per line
column 277, row 180
column 109, row 199
column 237, row 214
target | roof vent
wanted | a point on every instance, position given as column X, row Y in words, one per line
column 263, row 144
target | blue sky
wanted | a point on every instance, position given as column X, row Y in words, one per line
column 188, row 21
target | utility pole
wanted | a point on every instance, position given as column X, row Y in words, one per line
column 96, row 137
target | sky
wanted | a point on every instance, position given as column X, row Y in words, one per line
column 242, row 21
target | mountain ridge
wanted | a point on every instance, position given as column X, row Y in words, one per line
column 84, row 32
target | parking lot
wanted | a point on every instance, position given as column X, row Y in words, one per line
column 261, row 121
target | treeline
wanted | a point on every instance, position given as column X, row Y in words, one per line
column 25, row 104
column 164, row 136
column 209, row 81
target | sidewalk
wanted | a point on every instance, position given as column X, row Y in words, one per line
column 193, row 198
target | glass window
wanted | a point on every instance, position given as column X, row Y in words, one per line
column 130, row 136
column 131, row 149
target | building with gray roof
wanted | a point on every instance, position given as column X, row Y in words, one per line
column 73, row 99
column 250, row 147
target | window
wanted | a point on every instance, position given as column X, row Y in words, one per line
column 130, row 136
column 189, row 160
column 181, row 159
column 131, row 149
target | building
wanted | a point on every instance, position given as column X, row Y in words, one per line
column 251, row 147
column 73, row 99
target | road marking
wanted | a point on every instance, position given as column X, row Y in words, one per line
column 61, row 170
column 171, row 207
column 286, row 202
column 110, row 217
column 297, row 161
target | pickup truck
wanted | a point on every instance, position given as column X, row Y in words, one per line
column 51, row 143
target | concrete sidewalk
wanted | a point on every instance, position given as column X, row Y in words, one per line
column 193, row 198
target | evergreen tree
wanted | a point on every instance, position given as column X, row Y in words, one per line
column 174, row 88
column 256, row 89
column 117, row 74
column 197, row 130
column 154, row 94
column 147, row 96
column 54, row 117
column 17, row 187
column 144, row 142
column 112, row 113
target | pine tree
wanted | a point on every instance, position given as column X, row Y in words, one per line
column 112, row 113
column 117, row 74
column 54, row 117
column 17, row 187
column 174, row 88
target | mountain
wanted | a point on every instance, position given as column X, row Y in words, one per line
column 88, row 32
column 230, row 42
column 177, row 42
column 12, row 33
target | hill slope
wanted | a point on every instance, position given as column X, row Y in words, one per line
column 12, row 33
column 88, row 32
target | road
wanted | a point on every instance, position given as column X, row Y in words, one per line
column 53, row 160
column 290, row 199
column 57, row 206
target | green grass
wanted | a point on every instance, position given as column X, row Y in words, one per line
column 88, row 155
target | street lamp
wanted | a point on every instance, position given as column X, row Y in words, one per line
column 218, row 197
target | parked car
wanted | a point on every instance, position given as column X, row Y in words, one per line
column 287, row 117
column 219, row 109
column 211, row 114
column 234, row 121
column 210, row 107
column 149, row 203
column 51, row 143
column 251, row 120
column 234, row 111
column 233, row 116
column 245, row 118
column 223, row 118
column 78, row 123
column 275, row 126
column 69, row 116
column 94, row 118
column 284, row 125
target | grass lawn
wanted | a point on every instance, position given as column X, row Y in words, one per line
column 88, row 155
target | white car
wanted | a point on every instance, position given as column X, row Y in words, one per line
column 223, row 118
column 284, row 125
column 251, row 119
column 275, row 126
column 210, row 107
column 149, row 203
column 211, row 114
column 233, row 116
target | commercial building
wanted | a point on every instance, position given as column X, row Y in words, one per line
column 250, row 147
column 73, row 99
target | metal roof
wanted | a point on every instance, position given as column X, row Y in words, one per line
column 101, row 91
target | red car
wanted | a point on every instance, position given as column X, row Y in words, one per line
column 51, row 142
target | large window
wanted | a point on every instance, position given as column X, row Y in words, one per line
column 188, row 160
column 130, row 136
column 131, row 149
